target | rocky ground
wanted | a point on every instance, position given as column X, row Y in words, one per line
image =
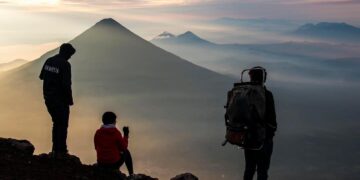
column 17, row 162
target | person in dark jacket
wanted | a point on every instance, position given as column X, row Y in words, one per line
column 259, row 160
column 56, row 76
column 111, row 147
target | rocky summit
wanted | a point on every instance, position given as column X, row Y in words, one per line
column 17, row 161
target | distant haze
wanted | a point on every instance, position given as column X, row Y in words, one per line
column 34, row 23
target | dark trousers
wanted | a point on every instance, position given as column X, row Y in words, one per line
column 125, row 157
column 259, row 161
column 59, row 113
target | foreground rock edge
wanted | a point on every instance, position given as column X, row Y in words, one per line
column 17, row 161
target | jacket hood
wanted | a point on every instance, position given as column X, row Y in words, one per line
column 108, row 129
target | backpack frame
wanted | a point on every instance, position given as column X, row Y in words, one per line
column 245, row 113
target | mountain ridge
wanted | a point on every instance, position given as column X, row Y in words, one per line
column 187, row 37
column 329, row 30
column 12, row 64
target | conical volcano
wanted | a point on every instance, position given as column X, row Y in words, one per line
column 118, row 60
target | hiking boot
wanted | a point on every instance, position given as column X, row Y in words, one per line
column 59, row 155
column 52, row 154
column 131, row 177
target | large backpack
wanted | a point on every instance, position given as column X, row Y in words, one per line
column 245, row 113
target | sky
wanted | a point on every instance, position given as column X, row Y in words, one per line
column 32, row 27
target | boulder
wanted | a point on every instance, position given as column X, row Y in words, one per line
column 185, row 176
column 16, row 147
column 141, row 177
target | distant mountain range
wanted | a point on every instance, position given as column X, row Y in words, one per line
column 12, row 64
column 188, row 38
column 329, row 31
column 324, row 31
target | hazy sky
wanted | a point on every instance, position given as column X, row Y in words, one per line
column 30, row 27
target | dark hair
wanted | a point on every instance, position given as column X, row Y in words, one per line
column 109, row 118
column 67, row 50
column 257, row 74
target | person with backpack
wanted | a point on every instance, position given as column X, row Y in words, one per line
column 251, row 122
column 56, row 76
column 259, row 160
column 111, row 147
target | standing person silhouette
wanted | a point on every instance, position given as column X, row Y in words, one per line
column 259, row 160
column 56, row 76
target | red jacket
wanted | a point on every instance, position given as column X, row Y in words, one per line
column 109, row 143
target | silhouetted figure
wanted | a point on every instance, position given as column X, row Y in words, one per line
column 259, row 160
column 111, row 147
column 56, row 76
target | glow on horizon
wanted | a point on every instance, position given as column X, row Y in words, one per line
column 38, row 2
column 127, row 3
column 25, row 51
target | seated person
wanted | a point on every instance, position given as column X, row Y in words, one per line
column 111, row 147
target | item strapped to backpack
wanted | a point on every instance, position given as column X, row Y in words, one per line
column 245, row 113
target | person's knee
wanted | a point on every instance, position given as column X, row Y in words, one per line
column 249, row 173
column 126, row 153
column 64, row 126
column 250, row 169
column 262, row 176
column 262, row 173
column 62, row 123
